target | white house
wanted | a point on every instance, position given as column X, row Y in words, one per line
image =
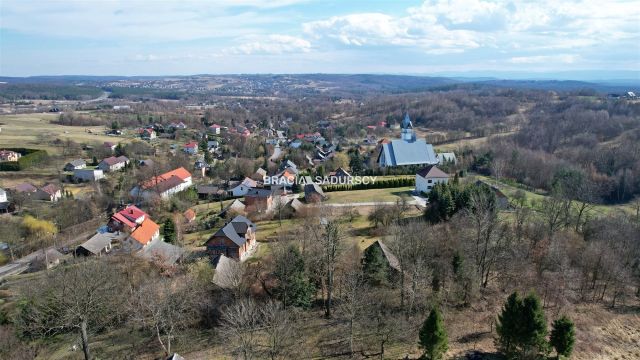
column 428, row 177
column 3, row 195
column 191, row 147
column 243, row 187
column 215, row 129
column 88, row 174
column 164, row 186
column 113, row 163
column 49, row 192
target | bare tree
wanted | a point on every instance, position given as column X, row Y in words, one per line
column 352, row 300
column 240, row 324
column 164, row 307
column 278, row 325
column 80, row 296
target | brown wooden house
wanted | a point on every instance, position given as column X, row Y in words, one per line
column 236, row 239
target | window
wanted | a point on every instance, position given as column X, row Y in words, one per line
column 429, row 181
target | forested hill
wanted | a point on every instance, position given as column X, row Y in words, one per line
column 332, row 85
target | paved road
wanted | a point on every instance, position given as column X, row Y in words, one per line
column 22, row 264
column 418, row 201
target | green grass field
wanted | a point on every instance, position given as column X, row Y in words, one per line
column 370, row 195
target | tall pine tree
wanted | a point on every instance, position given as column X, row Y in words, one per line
column 169, row 231
column 433, row 336
column 374, row 265
column 508, row 326
column 563, row 336
column 522, row 327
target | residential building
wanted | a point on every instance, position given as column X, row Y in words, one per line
column 340, row 174
column 49, row 192
column 313, row 192
column 407, row 150
column 243, row 187
column 3, row 195
column 8, row 155
column 259, row 200
column 190, row 148
column 109, row 145
column 75, row 165
column 88, row 174
column 189, row 216
column 214, row 129
column 163, row 186
column 99, row 244
column 113, row 163
column 147, row 134
column 427, row 177
column 236, row 207
column 236, row 239
column 145, row 234
column 127, row 219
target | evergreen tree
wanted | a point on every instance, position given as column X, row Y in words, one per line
column 534, row 326
column 294, row 288
column 169, row 230
column 508, row 326
column 563, row 336
column 456, row 262
column 120, row 150
column 522, row 327
column 433, row 336
column 374, row 265
column 94, row 161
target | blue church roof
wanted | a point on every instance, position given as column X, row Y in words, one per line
column 406, row 122
column 399, row 152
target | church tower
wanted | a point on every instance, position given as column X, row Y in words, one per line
column 407, row 133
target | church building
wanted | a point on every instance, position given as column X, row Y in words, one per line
column 407, row 150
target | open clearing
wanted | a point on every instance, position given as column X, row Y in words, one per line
column 36, row 131
column 370, row 195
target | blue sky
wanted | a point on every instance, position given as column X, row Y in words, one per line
column 470, row 37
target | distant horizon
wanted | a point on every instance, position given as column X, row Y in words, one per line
column 580, row 76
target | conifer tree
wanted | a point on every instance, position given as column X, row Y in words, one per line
column 508, row 326
column 374, row 265
column 563, row 336
column 169, row 231
column 522, row 327
column 433, row 336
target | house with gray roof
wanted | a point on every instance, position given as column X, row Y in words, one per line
column 236, row 239
column 99, row 244
column 408, row 150
column 75, row 165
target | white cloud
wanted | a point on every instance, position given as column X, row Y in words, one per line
column 445, row 26
column 381, row 29
column 271, row 44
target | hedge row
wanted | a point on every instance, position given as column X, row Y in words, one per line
column 29, row 158
column 380, row 184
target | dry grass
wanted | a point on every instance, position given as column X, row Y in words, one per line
column 36, row 131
